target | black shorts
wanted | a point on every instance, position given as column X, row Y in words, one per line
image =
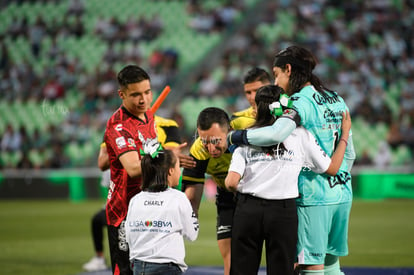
column 118, row 248
column 226, row 203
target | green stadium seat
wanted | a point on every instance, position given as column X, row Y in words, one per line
column 401, row 156
column 74, row 153
column 36, row 157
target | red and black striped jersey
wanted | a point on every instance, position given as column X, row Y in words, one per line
column 122, row 135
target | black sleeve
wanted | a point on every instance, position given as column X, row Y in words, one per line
column 172, row 133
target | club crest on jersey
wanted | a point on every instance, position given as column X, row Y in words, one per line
column 120, row 142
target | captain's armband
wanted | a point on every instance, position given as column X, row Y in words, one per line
column 293, row 115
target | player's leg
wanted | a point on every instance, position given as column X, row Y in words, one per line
column 118, row 248
column 98, row 224
column 281, row 234
column 247, row 236
column 224, row 231
column 313, row 230
column 224, row 246
column 225, row 209
column 338, row 238
column 332, row 266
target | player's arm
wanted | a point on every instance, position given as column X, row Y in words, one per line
column 236, row 170
column 338, row 155
column 194, row 193
column 103, row 158
column 232, row 181
column 193, row 182
column 131, row 163
column 350, row 152
column 269, row 135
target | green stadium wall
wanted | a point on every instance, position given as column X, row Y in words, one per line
column 80, row 185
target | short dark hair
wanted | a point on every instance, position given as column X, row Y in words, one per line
column 131, row 74
column 155, row 170
column 211, row 115
column 256, row 74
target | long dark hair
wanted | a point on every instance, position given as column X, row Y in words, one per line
column 155, row 170
column 302, row 62
column 265, row 96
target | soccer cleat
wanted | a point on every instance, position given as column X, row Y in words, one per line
column 95, row 264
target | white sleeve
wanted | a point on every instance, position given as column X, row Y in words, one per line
column 238, row 163
column 106, row 178
column 189, row 219
column 128, row 218
column 315, row 157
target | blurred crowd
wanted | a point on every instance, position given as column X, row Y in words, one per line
column 365, row 53
column 365, row 49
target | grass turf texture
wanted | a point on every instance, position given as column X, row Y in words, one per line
column 53, row 237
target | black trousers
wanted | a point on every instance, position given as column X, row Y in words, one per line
column 98, row 225
column 257, row 221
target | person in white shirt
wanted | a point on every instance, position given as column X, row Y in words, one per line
column 266, row 181
column 159, row 217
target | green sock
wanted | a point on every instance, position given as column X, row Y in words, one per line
column 332, row 266
column 313, row 272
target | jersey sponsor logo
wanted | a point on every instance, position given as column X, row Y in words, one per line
column 256, row 156
column 150, row 223
column 120, row 142
column 118, row 127
column 331, row 126
column 111, row 189
column 332, row 116
column 223, row 229
column 195, row 223
column 320, row 100
column 131, row 143
column 122, row 243
column 316, row 254
column 156, row 203
column 339, row 179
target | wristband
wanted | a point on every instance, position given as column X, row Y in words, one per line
column 346, row 142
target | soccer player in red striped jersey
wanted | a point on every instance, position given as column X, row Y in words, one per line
column 127, row 129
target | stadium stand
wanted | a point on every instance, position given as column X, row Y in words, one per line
column 365, row 49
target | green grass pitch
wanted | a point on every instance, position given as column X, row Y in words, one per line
column 53, row 237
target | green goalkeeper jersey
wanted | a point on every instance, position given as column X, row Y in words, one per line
column 322, row 116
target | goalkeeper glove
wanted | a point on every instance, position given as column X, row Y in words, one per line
column 238, row 137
